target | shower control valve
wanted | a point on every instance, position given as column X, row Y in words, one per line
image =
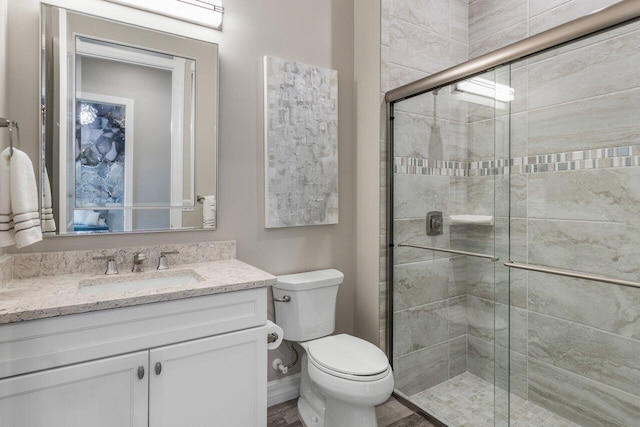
column 434, row 223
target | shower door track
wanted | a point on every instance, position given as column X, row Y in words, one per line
column 449, row 251
column 569, row 273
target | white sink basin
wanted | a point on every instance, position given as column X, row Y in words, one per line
column 150, row 281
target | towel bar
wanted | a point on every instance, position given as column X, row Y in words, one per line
column 450, row 251
column 568, row 273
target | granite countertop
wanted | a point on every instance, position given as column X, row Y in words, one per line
column 51, row 296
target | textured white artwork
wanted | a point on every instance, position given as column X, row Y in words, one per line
column 301, row 144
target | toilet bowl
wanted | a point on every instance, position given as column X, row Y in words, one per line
column 343, row 377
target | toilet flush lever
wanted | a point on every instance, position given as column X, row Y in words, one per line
column 285, row 298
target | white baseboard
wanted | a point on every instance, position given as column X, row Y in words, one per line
column 283, row 389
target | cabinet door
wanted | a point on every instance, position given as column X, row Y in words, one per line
column 217, row 381
column 103, row 393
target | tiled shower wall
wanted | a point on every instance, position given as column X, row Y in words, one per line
column 418, row 38
column 577, row 210
column 430, row 287
column 584, row 220
column 565, row 354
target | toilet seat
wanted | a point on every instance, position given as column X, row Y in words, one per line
column 348, row 357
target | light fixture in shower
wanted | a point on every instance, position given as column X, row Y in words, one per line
column 485, row 88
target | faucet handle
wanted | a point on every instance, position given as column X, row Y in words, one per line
column 163, row 264
column 169, row 253
column 139, row 256
column 112, row 267
column 138, row 259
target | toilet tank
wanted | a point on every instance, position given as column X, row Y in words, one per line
column 311, row 311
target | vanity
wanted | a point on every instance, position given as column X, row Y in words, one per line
column 85, row 349
column 128, row 118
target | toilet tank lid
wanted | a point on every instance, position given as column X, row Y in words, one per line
column 309, row 280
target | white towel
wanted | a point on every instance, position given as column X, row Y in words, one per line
column 209, row 212
column 80, row 217
column 23, row 197
column 89, row 218
column 48, row 223
column 7, row 234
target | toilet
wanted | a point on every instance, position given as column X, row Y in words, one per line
column 343, row 377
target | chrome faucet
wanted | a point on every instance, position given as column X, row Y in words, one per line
column 162, row 261
column 138, row 259
column 112, row 267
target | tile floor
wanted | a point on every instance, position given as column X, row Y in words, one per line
column 467, row 400
column 390, row 414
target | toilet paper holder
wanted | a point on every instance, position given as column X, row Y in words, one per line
column 275, row 334
column 272, row 337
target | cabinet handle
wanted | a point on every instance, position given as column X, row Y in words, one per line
column 140, row 372
column 158, row 368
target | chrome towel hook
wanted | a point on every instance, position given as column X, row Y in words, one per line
column 6, row 123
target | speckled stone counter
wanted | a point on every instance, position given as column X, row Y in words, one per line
column 29, row 298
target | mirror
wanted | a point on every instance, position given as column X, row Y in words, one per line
column 129, row 119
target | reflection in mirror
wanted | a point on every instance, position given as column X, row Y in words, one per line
column 131, row 155
column 127, row 156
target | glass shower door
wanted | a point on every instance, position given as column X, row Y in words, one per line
column 450, row 223
column 575, row 202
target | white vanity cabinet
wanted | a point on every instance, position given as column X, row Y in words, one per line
column 102, row 393
column 193, row 362
column 217, row 381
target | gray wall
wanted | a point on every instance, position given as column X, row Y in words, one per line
column 367, row 80
column 3, row 75
column 4, row 138
column 312, row 32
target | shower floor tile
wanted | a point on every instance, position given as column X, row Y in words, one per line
column 467, row 400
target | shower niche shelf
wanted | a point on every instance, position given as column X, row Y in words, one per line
column 471, row 219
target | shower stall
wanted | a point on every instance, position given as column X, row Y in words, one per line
column 514, row 231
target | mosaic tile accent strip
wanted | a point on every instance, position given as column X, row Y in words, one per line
column 601, row 158
column 468, row 400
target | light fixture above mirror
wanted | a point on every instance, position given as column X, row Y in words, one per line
column 207, row 13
